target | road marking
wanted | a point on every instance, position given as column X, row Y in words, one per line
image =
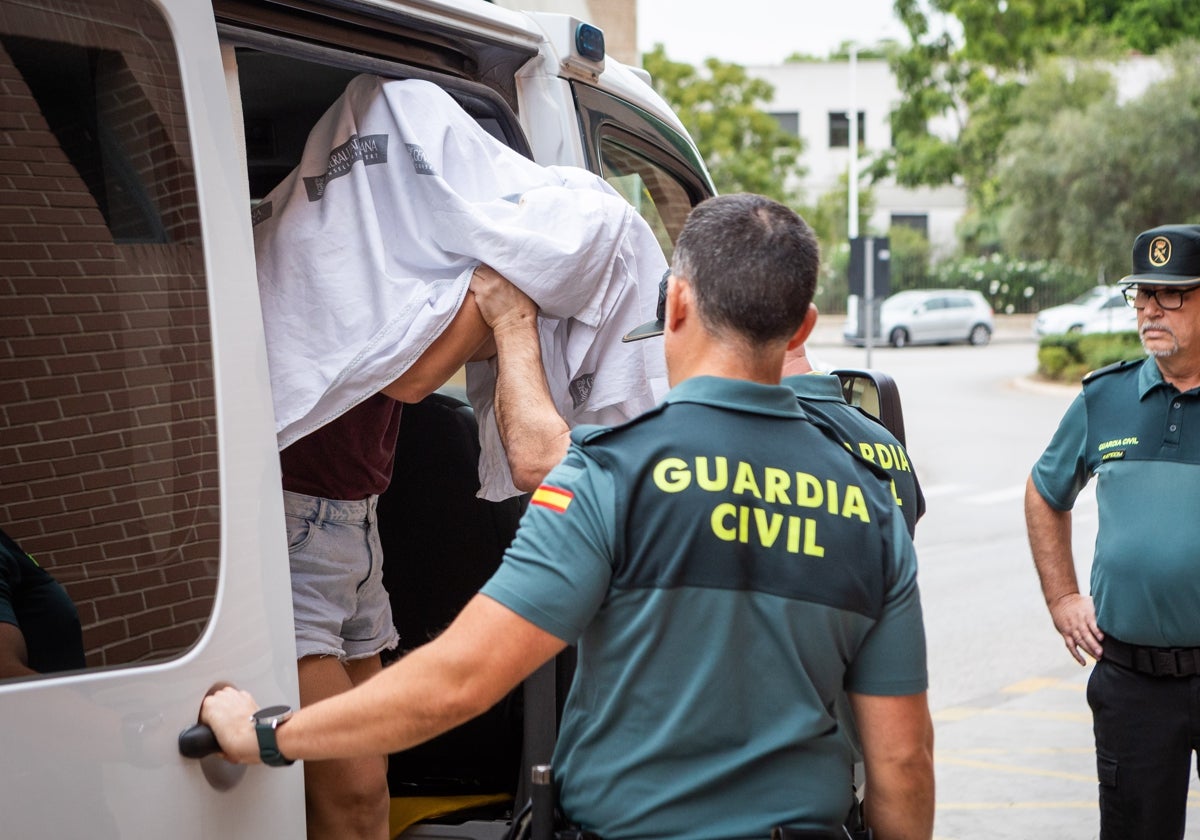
column 943, row 760
column 997, row 496
column 1019, row 750
column 935, row 490
column 956, row 713
column 1022, row 806
column 1043, row 683
column 1084, row 502
column 950, row 759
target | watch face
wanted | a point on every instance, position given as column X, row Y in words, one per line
column 272, row 712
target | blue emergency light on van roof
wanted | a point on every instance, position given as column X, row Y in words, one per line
column 589, row 41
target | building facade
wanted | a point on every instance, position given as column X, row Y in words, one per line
column 813, row 101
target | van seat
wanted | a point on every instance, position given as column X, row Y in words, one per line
column 440, row 545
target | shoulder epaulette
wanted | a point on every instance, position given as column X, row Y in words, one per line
column 1107, row 369
column 584, row 434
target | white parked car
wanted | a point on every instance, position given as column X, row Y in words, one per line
column 1071, row 317
column 1114, row 316
column 936, row 316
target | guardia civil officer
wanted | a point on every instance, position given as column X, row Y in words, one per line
column 820, row 394
column 726, row 569
column 1136, row 428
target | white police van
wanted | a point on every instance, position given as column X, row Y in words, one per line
column 137, row 451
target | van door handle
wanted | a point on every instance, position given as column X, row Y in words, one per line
column 198, row 741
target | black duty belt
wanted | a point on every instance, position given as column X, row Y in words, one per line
column 1155, row 661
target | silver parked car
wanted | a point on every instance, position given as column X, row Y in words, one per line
column 935, row 316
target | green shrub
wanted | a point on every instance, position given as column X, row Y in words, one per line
column 1103, row 349
column 1011, row 285
column 1052, row 361
column 1068, row 358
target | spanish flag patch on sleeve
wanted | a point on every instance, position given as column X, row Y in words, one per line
column 555, row 498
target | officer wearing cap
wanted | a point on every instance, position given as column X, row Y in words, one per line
column 1136, row 427
column 726, row 569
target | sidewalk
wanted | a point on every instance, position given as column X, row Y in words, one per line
column 1020, row 764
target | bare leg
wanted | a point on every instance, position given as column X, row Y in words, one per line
column 345, row 798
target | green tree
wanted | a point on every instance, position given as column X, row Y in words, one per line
column 743, row 146
column 830, row 215
column 974, row 82
column 1145, row 25
column 1078, row 187
column 909, row 257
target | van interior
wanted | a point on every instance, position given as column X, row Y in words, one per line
column 441, row 542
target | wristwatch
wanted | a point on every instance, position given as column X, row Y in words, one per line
column 266, row 721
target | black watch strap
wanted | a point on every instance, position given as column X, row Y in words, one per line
column 266, row 721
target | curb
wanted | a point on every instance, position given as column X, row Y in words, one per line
column 1041, row 386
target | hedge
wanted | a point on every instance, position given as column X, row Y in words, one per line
column 1068, row 358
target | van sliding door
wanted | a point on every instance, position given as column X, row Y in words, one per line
column 137, row 460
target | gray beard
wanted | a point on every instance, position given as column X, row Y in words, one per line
column 1159, row 354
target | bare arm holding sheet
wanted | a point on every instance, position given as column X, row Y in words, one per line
column 497, row 319
column 535, row 435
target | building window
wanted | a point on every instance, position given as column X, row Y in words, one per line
column 839, row 130
column 917, row 221
column 789, row 121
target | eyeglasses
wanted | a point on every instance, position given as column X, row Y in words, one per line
column 1167, row 297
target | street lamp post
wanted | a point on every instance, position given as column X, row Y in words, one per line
column 852, row 221
column 852, row 177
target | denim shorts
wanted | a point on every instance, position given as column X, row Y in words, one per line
column 340, row 605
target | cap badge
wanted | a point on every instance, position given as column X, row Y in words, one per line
column 1160, row 251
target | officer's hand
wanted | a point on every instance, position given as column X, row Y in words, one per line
column 501, row 304
column 229, row 713
column 1075, row 618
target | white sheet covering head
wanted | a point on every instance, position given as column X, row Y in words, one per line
column 366, row 249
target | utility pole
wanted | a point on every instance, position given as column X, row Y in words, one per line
column 868, row 318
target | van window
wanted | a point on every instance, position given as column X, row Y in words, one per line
column 654, row 193
column 108, row 454
column 656, row 169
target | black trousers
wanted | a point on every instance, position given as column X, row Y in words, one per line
column 1146, row 731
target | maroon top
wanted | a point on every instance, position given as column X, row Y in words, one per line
column 349, row 458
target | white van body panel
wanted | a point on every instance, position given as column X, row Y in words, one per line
column 99, row 748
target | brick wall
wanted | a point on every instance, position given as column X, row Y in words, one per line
column 107, row 432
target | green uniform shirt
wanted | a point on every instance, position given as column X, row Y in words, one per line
column 821, row 395
column 727, row 570
column 1140, row 437
column 38, row 605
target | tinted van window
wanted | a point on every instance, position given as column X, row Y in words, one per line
column 108, row 456
column 646, row 184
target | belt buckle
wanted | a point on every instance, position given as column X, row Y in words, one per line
column 1166, row 663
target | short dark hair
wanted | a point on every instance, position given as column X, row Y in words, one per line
column 752, row 263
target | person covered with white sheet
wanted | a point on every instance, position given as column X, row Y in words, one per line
column 407, row 244
column 332, row 479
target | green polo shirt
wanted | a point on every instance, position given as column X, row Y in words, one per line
column 727, row 571
column 1140, row 438
column 39, row 606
